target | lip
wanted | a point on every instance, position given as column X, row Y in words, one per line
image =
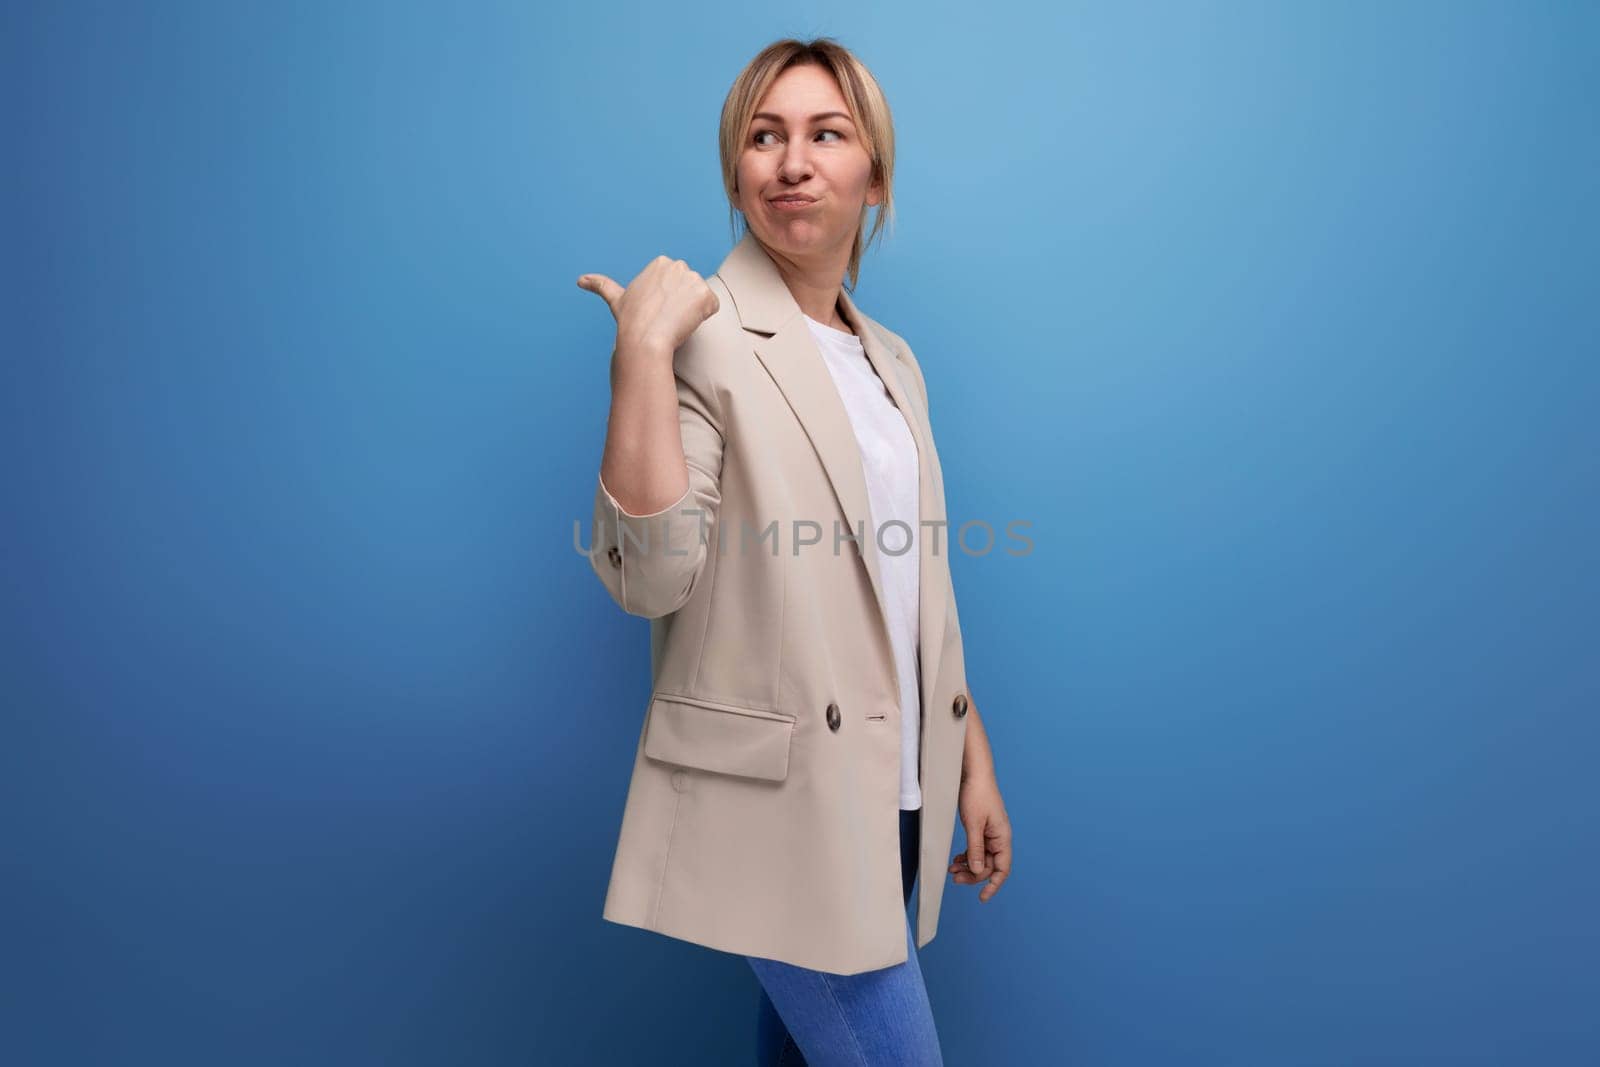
column 792, row 202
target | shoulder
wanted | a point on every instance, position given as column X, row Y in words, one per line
column 902, row 352
column 896, row 344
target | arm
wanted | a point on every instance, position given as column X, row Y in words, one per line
column 987, row 857
column 663, row 450
column 656, row 499
column 977, row 758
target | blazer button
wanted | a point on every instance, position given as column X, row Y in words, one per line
column 615, row 555
column 833, row 717
column 960, row 706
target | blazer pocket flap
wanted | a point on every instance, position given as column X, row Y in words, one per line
column 727, row 739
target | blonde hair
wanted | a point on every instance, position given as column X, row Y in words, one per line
column 868, row 108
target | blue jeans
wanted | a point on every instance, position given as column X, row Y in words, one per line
column 877, row 1017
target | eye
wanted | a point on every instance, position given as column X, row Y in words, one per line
column 756, row 137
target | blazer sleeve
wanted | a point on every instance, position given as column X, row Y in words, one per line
column 652, row 564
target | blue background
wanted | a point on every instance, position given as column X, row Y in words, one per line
column 1277, row 321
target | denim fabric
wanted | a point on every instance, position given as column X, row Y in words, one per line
column 875, row 1018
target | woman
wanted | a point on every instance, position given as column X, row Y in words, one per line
column 770, row 498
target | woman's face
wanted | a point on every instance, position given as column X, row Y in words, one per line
column 802, row 143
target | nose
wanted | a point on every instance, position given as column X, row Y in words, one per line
column 795, row 166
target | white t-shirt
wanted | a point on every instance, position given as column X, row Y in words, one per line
column 889, row 464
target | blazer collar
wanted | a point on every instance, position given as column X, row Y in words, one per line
column 786, row 348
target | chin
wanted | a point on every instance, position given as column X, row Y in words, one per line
column 797, row 236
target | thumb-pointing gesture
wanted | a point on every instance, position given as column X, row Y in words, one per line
column 659, row 309
column 606, row 289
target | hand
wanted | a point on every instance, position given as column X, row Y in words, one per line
column 659, row 309
column 988, row 854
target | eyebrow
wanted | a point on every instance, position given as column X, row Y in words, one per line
column 770, row 117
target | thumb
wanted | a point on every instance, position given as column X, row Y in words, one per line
column 975, row 851
column 604, row 287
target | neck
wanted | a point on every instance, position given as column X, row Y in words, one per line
column 815, row 286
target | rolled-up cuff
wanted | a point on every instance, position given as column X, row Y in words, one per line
column 675, row 505
column 648, row 562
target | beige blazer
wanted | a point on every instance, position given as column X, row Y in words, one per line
column 762, row 816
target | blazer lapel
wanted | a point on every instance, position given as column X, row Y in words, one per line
column 932, row 570
column 783, row 343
